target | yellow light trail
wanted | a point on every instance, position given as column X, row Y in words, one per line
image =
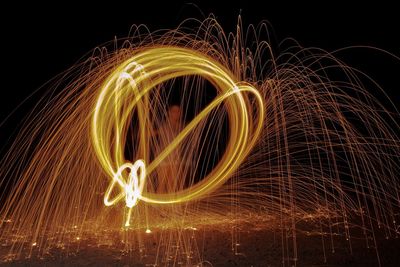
column 127, row 88
column 293, row 138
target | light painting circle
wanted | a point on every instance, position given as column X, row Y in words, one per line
column 127, row 89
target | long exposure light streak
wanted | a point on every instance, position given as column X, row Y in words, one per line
column 126, row 90
column 168, row 133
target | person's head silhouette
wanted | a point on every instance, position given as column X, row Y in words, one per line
column 174, row 115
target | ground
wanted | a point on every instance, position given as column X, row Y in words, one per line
column 218, row 246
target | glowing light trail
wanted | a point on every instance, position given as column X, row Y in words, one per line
column 127, row 89
column 302, row 142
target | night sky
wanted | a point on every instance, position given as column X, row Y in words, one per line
column 40, row 41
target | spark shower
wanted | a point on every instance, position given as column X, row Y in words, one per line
column 151, row 67
column 268, row 140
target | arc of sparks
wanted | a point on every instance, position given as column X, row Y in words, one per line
column 127, row 89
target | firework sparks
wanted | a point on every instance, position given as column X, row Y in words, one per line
column 125, row 90
column 267, row 142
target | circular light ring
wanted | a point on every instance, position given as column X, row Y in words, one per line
column 127, row 88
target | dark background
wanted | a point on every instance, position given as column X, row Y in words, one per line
column 40, row 41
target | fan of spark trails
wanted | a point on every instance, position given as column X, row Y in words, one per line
column 328, row 148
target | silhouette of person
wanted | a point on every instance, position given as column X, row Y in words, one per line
column 168, row 170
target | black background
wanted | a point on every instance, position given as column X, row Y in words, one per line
column 40, row 41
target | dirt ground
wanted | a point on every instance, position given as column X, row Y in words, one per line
column 218, row 247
